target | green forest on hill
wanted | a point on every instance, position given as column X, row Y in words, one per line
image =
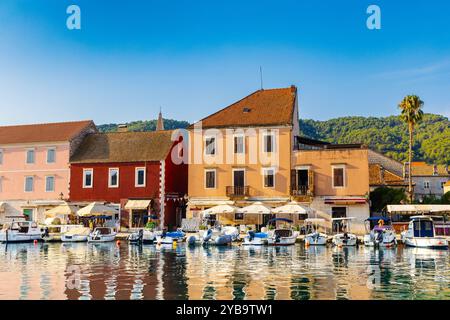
column 388, row 135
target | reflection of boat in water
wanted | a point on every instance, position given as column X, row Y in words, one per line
column 382, row 234
column 343, row 238
column 421, row 234
column 102, row 234
column 20, row 231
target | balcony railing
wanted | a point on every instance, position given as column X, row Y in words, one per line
column 300, row 191
column 237, row 191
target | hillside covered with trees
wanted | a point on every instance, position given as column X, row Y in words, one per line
column 388, row 135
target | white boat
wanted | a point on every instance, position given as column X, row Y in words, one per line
column 79, row 234
column 102, row 234
column 381, row 235
column 255, row 238
column 343, row 238
column 282, row 236
column 170, row 237
column 20, row 231
column 54, row 233
column 149, row 236
column 233, row 232
column 216, row 237
column 313, row 235
column 421, row 234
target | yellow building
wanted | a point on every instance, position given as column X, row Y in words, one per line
column 251, row 151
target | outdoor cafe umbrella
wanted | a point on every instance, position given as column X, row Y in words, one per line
column 97, row 209
column 223, row 208
column 61, row 210
column 256, row 208
column 292, row 208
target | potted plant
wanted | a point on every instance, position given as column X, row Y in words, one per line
column 150, row 225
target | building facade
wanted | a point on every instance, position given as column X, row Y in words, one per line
column 429, row 179
column 251, row 151
column 133, row 170
column 34, row 166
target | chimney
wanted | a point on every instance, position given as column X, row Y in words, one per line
column 160, row 123
column 122, row 128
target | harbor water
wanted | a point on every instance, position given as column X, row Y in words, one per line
column 111, row 271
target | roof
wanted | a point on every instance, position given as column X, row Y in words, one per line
column 44, row 132
column 380, row 176
column 266, row 107
column 124, row 147
column 424, row 169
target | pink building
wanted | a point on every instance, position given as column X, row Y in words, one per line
column 34, row 166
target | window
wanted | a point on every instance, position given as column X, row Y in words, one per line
column 239, row 144
column 88, row 178
column 210, row 145
column 1, row 156
column 426, row 184
column 49, row 184
column 269, row 142
column 238, row 216
column 269, row 177
column 210, row 179
column 29, row 183
column 30, row 156
column 338, row 177
column 113, row 181
column 51, row 155
column 140, row 177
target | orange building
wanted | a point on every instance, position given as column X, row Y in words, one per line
column 252, row 151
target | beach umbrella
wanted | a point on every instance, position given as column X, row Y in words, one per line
column 97, row 209
column 61, row 210
column 223, row 208
column 256, row 208
column 292, row 208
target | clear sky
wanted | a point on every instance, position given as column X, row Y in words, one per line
column 194, row 57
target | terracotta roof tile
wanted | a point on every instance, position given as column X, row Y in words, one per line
column 378, row 176
column 268, row 107
column 124, row 147
column 45, row 132
column 424, row 169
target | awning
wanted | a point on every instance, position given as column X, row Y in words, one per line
column 418, row 208
column 97, row 209
column 346, row 200
column 137, row 204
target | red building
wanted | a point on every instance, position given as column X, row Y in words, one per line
column 135, row 170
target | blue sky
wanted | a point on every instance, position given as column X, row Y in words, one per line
column 194, row 57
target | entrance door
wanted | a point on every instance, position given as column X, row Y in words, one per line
column 338, row 212
column 302, row 181
column 28, row 213
column 239, row 181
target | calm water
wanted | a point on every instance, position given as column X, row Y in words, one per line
column 108, row 271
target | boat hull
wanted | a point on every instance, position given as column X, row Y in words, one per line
column 254, row 241
column 313, row 239
column 341, row 241
column 431, row 243
column 74, row 238
column 102, row 238
column 284, row 241
column 15, row 237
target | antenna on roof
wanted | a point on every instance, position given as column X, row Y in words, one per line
column 261, row 77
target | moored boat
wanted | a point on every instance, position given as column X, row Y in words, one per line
column 79, row 234
column 170, row 237
column 284, row 236
column 102, row 234
column 421, row 234
column 343, row 237
column 255, row 238
column 20, row 231
column 382, row 234
column 313, row 235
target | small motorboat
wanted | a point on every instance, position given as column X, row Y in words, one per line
column 343, row 238
column 136, row 237
column 102, row 234
column 149, row 236
column 216, row 237
column 170, row 237
column 421, row 234
column 233, row 232
column 20, row 231
column 313, row 235
column 255, row 238
column 382, row 235
column 282, row 236
column 79, row 234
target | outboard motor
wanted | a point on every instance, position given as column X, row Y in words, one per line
column 207, row 235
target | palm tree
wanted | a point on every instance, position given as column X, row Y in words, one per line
column 412, row 114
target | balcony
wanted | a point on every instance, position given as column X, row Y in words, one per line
column 302, row 193
column 237, row 191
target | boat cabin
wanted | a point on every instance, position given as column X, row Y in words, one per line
column 422, row 226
